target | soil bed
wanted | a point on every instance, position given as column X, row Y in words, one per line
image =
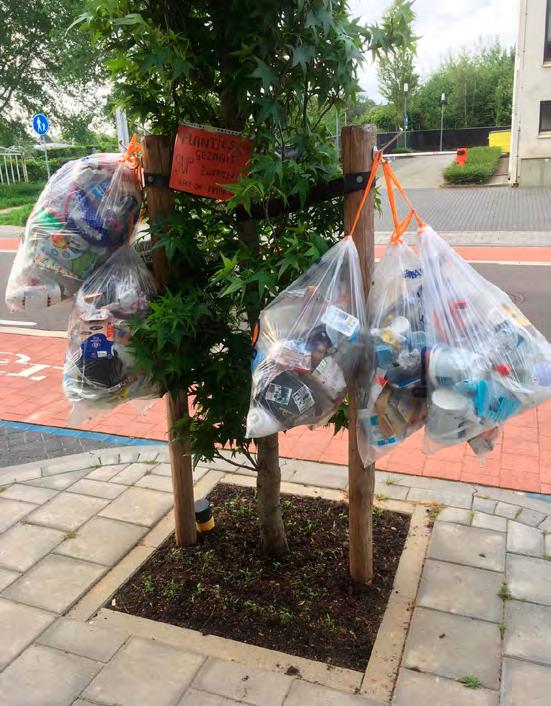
column 303, row 604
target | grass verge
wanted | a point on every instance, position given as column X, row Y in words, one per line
column 480, row 167
column 20, row 194
column 17, row 217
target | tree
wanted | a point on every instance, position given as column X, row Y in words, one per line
column 478, row 87
column 41, row 66
column 272, row 69
column 397, row 69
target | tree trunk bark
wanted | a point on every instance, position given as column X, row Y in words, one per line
column 268, row 484
column 268, row 474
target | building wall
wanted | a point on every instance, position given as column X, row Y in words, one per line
column 530, row 160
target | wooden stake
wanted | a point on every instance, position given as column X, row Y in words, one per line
column 357, row 152
column 156, row 160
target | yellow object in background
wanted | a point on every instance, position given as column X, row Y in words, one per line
column 500, row 138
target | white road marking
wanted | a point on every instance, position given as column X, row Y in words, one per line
column 9, row 322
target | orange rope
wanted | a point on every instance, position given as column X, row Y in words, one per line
column 133, row 155
column 377, row 160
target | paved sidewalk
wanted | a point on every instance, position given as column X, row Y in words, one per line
column 71, row 530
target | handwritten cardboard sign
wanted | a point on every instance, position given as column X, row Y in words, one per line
column 205, row 159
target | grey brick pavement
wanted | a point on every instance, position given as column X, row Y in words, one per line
column 476, row 209
column 18, row 446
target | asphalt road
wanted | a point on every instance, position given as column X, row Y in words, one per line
column 528, row 285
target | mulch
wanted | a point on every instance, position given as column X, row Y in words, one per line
column 303, row 604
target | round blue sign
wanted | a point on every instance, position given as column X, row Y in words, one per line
column 40, row 124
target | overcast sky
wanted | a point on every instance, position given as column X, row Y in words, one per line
column 443, row 26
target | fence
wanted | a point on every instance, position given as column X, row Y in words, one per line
column 452, row 138
column 13, row 167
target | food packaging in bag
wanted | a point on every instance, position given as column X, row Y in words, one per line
column 485, row 361
column 99, row 365
column 307, row 344
column 87, row 210
column 391, row 381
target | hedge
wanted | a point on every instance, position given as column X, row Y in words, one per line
column 480, row 167
column 58, row 156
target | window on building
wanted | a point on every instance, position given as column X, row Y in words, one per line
column 547, row 46
column 545, row 116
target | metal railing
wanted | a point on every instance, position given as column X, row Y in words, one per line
column 13, row 165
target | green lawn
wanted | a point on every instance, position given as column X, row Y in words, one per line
column 19, row 194
column 17, row 217
column 480, row 167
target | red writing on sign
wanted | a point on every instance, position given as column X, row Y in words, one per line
column 205, row 159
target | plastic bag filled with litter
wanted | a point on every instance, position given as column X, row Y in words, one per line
column 99, row 364
column 485, row 361
column 307, row 345
column 87, row 210
column 391, row 388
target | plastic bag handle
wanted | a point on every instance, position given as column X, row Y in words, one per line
column 132, row 155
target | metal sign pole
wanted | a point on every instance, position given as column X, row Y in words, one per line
column 46, row 155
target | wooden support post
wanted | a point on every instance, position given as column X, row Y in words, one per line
column 157, row 152
column 358, row 142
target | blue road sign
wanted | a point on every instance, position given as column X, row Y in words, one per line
column 40, row 124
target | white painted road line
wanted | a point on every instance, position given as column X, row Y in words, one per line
column 9, row 322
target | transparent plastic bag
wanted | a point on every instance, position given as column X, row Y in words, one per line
column 308, row 342
column 87, row 210
column 99, row 365
column 391, row 387
column 486, row 362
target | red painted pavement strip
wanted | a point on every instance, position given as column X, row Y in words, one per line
column 9, row 243
column 31, row 369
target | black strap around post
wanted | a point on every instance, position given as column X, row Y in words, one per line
column 277, row 207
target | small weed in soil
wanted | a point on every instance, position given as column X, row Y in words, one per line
column 303, row 604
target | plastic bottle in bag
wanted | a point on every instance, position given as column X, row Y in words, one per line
column 391, row 385
column 99, row 365
column 307, row 344
column 485, row 361
column 87, row 210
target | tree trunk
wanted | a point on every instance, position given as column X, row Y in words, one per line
column 268, row 482
column 268, row 474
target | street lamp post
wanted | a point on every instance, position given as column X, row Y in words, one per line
column 442, row 103
column 406, row 88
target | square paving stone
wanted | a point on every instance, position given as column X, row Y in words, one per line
column 19, row 626
column 525, row 684
column 484, row 504
column 523, row 539
column 132, row 473
column 471, row 546
column 102, row 541
column 417, row 689
column 28, row 493
column 531, row 517
column 302, row 693
column 11, row 511
column 155, row 482
column 60, row 481
column 23, row 545
column 445, row 497
column 507, row 510
column 55, row 583
column 194, row 697
column 453, row 646
column 529, row 579
column 163, row 469
column 528, row 631
column 139, row 505
column 98, row 489
column 321, row 475
column 84, row 639
column 461, row 589
column 105, row 473
column 492, row 522
column 7, row 577
column 144, row 673
column 455, row 514
column 45, row 677
column 67, row 511
column 236, row 681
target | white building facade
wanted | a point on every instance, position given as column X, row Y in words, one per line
column 530, row 159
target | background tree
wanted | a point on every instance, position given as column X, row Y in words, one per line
column 273, row 69
column 42, row 67
column 397, row 67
